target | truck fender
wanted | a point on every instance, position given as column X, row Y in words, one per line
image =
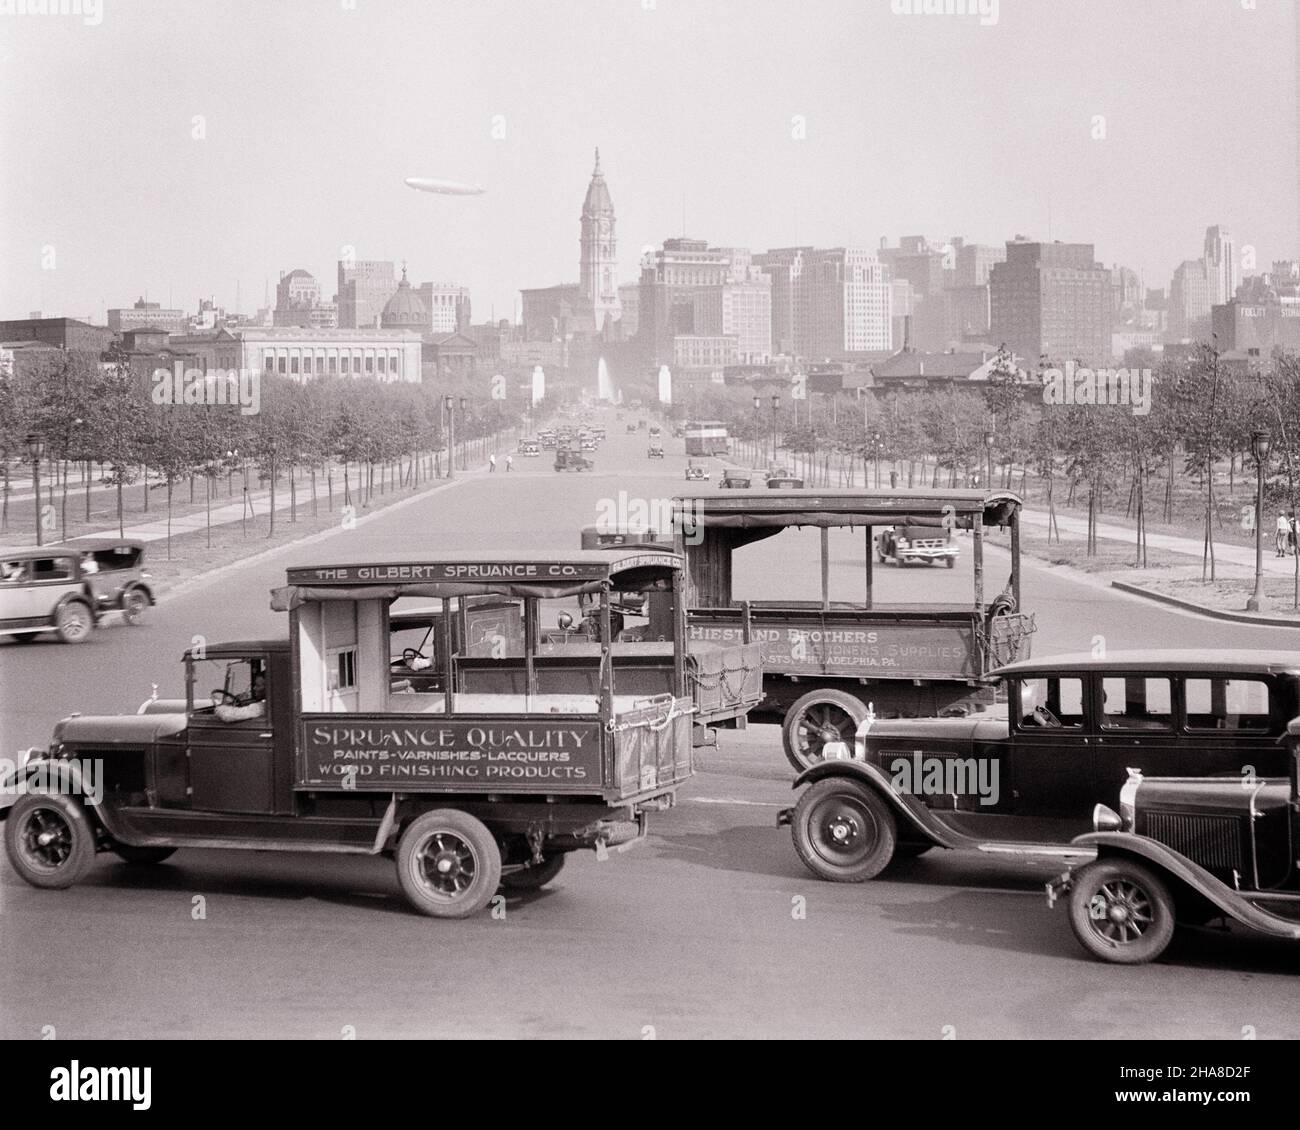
column 1191, row 876
column 913, row 816
column 64, row 777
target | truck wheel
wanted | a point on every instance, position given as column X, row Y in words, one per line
column 73, row 622
column 535, row 876
column 1121, row 911
column 819, row 717
column 142, row 856
column 843, row 831
column 134, row 605
column 448, row 863
column 49, row 840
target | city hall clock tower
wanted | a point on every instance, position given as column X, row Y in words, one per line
column 598, row 267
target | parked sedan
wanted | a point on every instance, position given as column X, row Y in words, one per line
column 1025, row 780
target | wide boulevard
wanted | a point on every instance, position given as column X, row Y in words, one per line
column 711, row 927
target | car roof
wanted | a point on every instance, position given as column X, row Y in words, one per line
column 1162, row 660
column 36, row 553
column 91, row 545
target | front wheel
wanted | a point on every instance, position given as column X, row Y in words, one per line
column 1121, row 911
column 134, row 605
column 448, row 864
column 817, row 719
column 535, row 876
column 73, row 622
column 843, row 831
column 49, row 840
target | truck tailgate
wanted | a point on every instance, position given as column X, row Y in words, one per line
column 726, row 680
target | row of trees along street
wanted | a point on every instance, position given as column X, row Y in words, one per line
column 330, row 437
column 1186, row 463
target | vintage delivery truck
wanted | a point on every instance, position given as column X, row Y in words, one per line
column 826, row 662
column 525, row 745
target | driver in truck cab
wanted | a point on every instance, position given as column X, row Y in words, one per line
column 243, row 707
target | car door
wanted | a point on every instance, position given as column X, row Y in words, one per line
column 1135, row 730
column 232, row 762
column 1052, row 750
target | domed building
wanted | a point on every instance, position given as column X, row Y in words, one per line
column 405, row 311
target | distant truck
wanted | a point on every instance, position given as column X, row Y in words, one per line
column 530, row 744
column 655, row 450
column 566, row 459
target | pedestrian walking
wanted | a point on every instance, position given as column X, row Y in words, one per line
column 510, row 462
column 492, row 462
column 1282, row 535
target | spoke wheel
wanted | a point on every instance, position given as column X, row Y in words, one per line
column 843, row 831
column 1121, row 911
column 820, row 717
column 49, row 840
column 134, row 606
column 448, row 863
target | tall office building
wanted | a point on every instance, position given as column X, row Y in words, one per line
column 447, row 305
column 1052, row 300
column 1189, row 302
column 847, row 304
column 365, row 286
column 296, row 294
column 784, row 265
column 1221, row 273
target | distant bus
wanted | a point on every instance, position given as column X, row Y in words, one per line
column 706, row 437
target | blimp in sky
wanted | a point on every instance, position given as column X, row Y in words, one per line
column 444, row 187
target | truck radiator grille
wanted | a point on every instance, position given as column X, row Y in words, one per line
column 1212, row 841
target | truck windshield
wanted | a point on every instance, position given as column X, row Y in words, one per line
column 236, row 681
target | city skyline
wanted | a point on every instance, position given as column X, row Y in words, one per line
column 779, row 159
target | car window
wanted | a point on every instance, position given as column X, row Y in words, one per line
column 51, row 569
column 13, row 572
column 1052, row 702
column 1227, row 704
column 1135, row 702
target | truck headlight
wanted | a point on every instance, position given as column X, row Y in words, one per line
column 1106, row 819
column 1128, row 800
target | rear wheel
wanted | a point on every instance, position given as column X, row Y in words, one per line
column 1121, row 911
column 73, row 622
column 820, row 717
column 843, row 831
column 448, row 863
column 134, row 605
column 49, row 840
column 534, row 876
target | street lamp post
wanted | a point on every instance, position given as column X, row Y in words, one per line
column 758, row 422
column 875, row 455
column 1259, row 444
column 449, row 403
column 464, row 443
column 776, row 404
column 988, row 459
column 36, row 448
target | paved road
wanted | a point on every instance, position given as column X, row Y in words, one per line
column 693, row 933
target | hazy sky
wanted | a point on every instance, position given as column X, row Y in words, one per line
column 315, row 111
